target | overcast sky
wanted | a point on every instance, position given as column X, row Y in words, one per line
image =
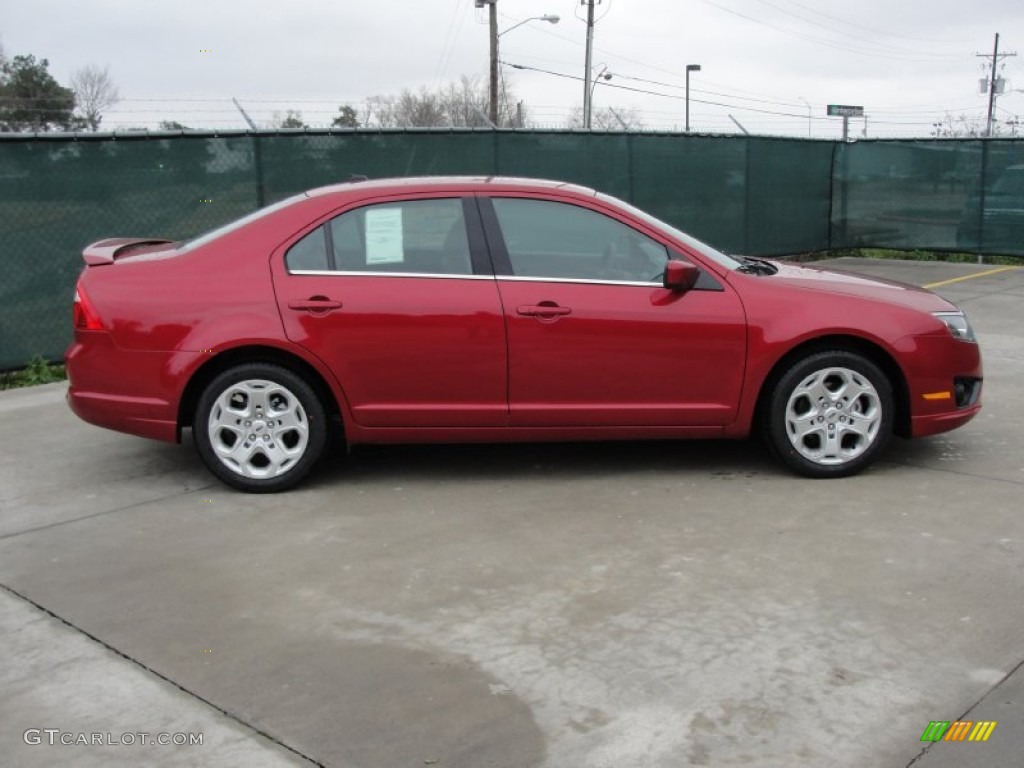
column 908, row 62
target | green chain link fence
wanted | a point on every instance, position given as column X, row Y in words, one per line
column 758, row 196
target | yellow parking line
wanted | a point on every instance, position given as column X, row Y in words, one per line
column 968, row 277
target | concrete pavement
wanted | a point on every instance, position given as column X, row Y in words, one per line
column 658, row 604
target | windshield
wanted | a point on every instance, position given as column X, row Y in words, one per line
column 196, row 242
column 692, row 242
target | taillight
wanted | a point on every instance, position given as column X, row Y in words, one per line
column 83, row 314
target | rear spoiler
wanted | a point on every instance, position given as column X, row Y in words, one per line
column 105, row 251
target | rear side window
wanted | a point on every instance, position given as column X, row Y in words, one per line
column 310, row 252
column 415, row 236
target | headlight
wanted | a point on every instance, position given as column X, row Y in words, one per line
column 958, row 325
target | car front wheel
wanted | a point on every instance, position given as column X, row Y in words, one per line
column 260, row 428
column 830, row 414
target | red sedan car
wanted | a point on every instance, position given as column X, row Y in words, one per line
column 496, row 309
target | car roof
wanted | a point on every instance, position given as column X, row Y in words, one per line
column 443, row 183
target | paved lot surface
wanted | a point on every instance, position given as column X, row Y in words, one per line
column 662, row 604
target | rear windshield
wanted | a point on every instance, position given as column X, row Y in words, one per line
column 196, row 242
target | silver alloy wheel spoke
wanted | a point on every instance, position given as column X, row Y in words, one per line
column 257, row 398
column 805, row 426
column 833, row 416
column 290, row 418
column 832, row 446
column 814, row 388
column 258, row 428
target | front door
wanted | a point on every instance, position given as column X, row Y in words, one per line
column 593, row 337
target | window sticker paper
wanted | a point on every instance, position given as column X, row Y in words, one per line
column 384, row 236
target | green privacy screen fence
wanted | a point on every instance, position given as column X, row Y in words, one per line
column 758, row 196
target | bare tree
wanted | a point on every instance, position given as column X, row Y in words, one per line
column 95, row 92
column 420, row 110
column 962, row 127
column 462, row 104
column 608, row 119
column 465, row 102
column 619, row 119
column 380, row 111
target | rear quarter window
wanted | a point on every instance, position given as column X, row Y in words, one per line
column 310, row 253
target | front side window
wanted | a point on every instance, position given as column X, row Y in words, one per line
column 692, row 242
column 546, row 239
column 415, row 236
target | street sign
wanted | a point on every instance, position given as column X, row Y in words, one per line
column 842, row 110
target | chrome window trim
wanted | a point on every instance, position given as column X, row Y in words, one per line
column 584, row 281
column 365, row 273
column 504, row 278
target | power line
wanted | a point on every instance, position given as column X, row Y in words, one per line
column 847, row 35
column 450, row 38
column 873, row 29
column 656, row 93
column 821, row 41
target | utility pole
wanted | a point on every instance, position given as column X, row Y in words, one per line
column 493, row 4
column 992, row 79
column 586, row 70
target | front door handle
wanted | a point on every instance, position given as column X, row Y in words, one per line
column 544, row 310
column 314, row 304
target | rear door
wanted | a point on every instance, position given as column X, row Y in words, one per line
column 397, row 297
column 594, row 339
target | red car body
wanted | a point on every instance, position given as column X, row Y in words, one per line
column 419, row 357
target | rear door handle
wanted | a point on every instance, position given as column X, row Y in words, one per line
column 543, row 310
column 314, row 304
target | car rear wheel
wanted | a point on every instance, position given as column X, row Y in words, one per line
column 259, row 427
column 830, row 414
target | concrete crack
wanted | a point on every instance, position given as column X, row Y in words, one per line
column 104, row 512
column 952, row 472
column 155, row 673
column 989, row 692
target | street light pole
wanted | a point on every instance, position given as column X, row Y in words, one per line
column 494, row 35
column 552, row 18
column 604, row 73
column 689, row 68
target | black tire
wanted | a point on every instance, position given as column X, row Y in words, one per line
column 290, row 446
column 814, row 426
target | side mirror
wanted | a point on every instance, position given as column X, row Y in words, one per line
column 680, row 275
